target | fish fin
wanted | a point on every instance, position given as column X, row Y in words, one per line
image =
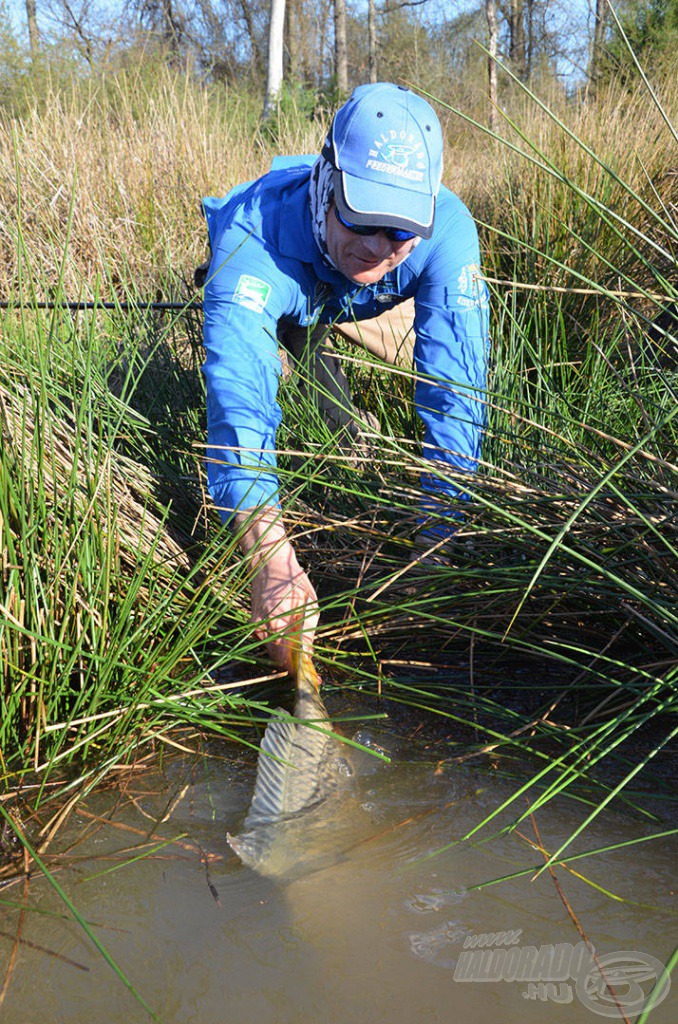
column 304, row 669
column 250, row 847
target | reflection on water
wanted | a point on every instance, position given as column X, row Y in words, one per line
column 361, row 924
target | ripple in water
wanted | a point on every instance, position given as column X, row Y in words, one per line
column 428, row 903
column 437, row 946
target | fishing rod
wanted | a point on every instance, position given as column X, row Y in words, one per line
column 125, row 306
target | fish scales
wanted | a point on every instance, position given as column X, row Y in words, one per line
column 289, row 776
column 293, row 770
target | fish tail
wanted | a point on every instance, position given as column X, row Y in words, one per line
column 304, row 669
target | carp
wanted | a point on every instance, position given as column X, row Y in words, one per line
column 296, row 769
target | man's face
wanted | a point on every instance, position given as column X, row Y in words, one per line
column 364, row 259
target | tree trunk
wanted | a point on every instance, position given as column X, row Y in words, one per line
column 251, row 31
column 529, row 42
column 33, row 33
column 292, row 34
column 599, row 30
column 322, row 55
column 491, row 13
column 274, row 78
column 372, row 39
column 173, row 28
column 517, row 38
column 340, row 51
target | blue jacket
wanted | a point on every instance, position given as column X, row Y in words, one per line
column 266, row 266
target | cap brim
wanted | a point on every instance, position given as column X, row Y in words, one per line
column 367, row 202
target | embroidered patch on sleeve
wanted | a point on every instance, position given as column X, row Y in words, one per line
column 252, row 293
column 472, row 292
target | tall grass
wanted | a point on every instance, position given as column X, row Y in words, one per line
column 105, row 597
column 124, row 604
column 124, row 160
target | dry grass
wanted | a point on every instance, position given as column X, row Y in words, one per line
column 114, row 172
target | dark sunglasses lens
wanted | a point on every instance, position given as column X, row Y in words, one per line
column 361, row 229
column 394, row 234
column 357, row 229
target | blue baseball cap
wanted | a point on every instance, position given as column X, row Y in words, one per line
column 386, row 147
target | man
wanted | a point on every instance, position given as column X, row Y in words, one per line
column 364, row 229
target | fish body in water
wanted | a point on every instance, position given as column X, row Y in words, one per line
column 295, row 770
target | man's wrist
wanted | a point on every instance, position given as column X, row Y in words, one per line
column 262, row 534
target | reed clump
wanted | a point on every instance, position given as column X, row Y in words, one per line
column 124, row 603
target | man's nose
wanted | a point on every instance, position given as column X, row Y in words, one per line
column 379, row 245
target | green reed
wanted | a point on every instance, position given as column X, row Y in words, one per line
column 125, row 602
column 107, row 598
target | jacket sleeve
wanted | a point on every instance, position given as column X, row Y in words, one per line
column 244, row 297
column 451, row 354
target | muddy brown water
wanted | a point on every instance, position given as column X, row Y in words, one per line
column 371, row 916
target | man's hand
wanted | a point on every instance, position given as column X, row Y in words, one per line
column 283, row 598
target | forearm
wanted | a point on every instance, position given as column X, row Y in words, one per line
column 284, row 603
column 452, row 402
column 241, row 455
column 262, row 535
column 241, row 374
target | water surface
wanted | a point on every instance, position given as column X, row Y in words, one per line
column 365, row 920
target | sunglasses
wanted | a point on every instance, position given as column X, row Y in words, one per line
column 393, row 234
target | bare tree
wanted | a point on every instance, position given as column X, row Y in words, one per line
column 493, row 35
column 75, row 19
column 304, row 41
column 292, row 33
column 597, row 44
column 33, row 32
column 274, row 77
column 529, row 40
column 340, row 49
column 372, row 39
column 248, row 18
column 230, row 38
column 166, row 17
column 516, row 26
column 89, row 27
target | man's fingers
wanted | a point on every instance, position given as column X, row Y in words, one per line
column 280, row 654
column 284, row 608
column 310, row 621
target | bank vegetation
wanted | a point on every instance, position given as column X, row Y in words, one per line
column 548, row 627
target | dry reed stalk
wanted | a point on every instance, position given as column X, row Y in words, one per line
column 133, row 163
column 119, row 482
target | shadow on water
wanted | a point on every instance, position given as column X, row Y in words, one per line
column 361, row 923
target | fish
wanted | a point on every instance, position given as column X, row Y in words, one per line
column 296, row 768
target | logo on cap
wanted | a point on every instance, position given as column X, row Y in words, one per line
column 394, row 152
